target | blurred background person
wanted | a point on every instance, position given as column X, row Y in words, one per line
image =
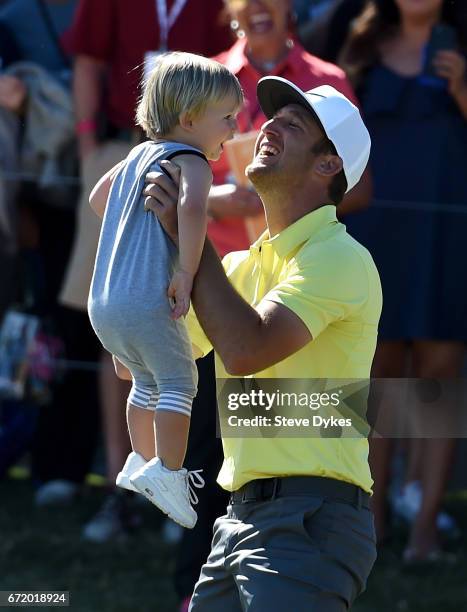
column 416, row 223
column 112, row 41
column 15, row 435
column 310, row 10
column 32, row 30
column 12, row 95
column 40, row 77
column 266, row 45
column 325, row 33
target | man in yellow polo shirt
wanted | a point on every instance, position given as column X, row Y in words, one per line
column 303, row 302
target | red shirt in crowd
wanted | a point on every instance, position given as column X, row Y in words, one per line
column 120, row 32
column 303, row 69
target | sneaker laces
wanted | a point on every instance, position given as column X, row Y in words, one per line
column 194, row 480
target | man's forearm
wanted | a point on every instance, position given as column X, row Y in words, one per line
column 230, row 323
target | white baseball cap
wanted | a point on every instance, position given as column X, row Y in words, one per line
column 339, row 118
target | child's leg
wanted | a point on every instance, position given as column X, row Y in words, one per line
column 140, row 428
column 171, row 427
column 161, row 480
column 140, row 418
column 172, row 369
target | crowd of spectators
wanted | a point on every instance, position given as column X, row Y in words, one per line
column 70, row 72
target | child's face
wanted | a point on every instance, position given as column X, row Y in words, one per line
column 217, row 124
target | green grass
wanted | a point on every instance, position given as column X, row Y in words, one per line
column 42, row 549
column 394, row 587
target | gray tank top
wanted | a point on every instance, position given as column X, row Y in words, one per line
column 135, row 258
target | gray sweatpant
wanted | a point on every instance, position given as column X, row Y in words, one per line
column 155, row 348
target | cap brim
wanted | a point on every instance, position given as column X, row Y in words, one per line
column 275, row 92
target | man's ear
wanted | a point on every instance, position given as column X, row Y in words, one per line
column 328, row 165
column 186, row 121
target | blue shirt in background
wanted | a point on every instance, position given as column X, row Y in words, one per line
column 35, row 41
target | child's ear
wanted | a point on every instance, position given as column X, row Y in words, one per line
column 186, row 121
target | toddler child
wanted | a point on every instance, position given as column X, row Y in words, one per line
column 141, row 284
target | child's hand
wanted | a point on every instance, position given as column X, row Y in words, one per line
column 180, row 290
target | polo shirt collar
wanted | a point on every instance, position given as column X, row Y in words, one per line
column 293, row 63
column 299, row 232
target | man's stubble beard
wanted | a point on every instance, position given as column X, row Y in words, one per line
column 267, row 180
column 264, row 179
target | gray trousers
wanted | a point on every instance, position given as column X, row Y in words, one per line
column 300, row 553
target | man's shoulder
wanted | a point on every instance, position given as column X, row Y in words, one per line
column 337, row 265
column 351, row 245
column 338, row 253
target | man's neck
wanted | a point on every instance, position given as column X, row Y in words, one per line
column 282, row 210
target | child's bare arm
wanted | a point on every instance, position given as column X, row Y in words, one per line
column 195, row 183
column 100, row 193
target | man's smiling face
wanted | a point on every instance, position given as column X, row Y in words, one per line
column 283, row 149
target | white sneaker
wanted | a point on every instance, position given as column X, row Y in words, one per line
column 133, row 463
column 170, row 490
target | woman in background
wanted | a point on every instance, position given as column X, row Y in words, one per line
column 266, row 45
column 418, row 222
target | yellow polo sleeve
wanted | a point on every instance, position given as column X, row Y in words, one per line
column 323, row 285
